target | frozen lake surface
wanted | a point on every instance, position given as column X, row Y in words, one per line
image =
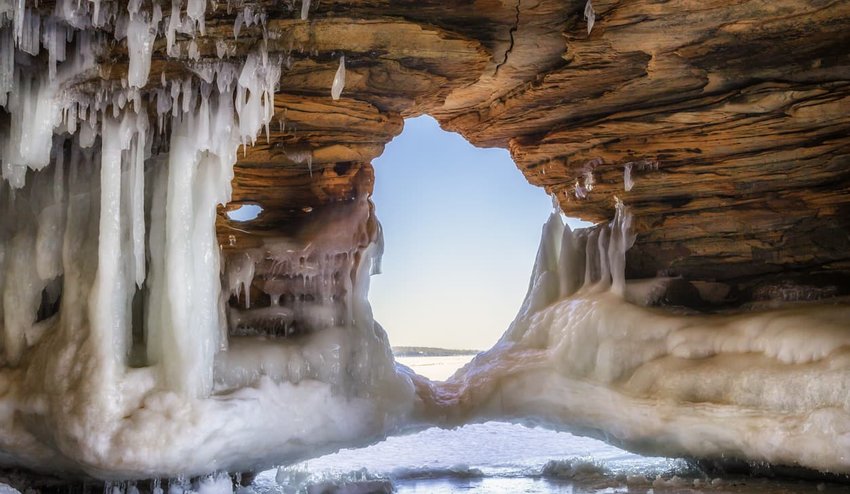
column 506, row 458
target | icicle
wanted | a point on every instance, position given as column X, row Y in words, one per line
column 7, row 64
column 196, row 10
column 95, row 13
column 300, row 156
column 48, row 253
column 237, row 25
column 21, row 296
column 51, row 34
column 590, row 15
column 194, row 53
column 305, row 9
column 570, row 263
column 580, row 192
column 628, row 183
column 220, row 48
column 140, row 39
column 133, row 6
column 110, row 292
column 137, row 201
column 171, row 31
column 339, row 80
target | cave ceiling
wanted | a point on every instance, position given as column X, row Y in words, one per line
column 731, row 118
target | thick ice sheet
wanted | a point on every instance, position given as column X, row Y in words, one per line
column 760, row 386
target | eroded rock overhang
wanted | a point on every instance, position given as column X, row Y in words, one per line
column 722, row 126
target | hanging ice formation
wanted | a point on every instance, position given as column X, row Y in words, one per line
column 339, row 80
column 589, row 15
column 628, row 181
column 116, row 357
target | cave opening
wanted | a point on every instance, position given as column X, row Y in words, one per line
column 460, row 225
column 245, row 212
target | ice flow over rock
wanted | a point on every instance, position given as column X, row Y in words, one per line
column 131, row 348
column 585, row 355
column 116, row 356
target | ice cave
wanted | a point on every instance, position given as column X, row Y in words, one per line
column 187, row 235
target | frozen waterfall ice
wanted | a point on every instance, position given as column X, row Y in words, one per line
column 116, row 358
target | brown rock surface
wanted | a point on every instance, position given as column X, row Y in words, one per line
column 733, row 116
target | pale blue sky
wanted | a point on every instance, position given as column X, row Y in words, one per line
column 461, row 226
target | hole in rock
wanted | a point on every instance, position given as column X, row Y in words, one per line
column 51, row 299
column 461, row 226
column 245, row 213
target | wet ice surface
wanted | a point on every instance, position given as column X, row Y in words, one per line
column 508, row 458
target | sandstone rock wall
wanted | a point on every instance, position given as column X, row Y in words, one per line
column 732, row 117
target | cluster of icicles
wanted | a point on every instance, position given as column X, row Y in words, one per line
column 302, row 279
column 112, row 314
column 202, row 121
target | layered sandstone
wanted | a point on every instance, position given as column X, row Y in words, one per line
column 731, row 118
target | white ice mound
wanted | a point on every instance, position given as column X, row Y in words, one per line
column 768, row 387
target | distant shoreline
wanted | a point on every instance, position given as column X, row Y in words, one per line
column 424, row 351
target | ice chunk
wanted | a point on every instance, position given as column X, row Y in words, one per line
column 196, row 11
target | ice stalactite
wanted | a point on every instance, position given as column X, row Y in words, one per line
column 589, row 16
column 141, row 34
column 117, row 342
column 628, row 182
column 300, row 156
column 339, row 80
column 585, row 354
column 305, row 9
